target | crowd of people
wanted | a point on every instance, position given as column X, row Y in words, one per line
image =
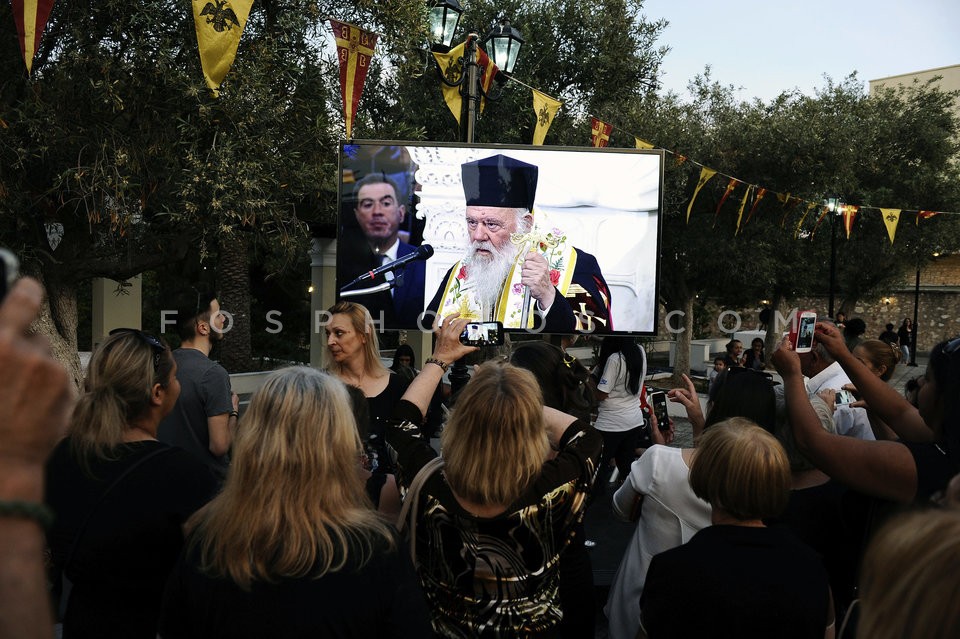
column 331, row 513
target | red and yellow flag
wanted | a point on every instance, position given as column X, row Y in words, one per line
column 30, row 17
column 545, row 109
column 731, row 185
column 705, row 175
column 451, row 66
column 891, row 218
column 219, row 25
column 600, row 132
column 354, row 49
column 756, row 202
column 849, row 215
column 922, row 215
column 799, row 227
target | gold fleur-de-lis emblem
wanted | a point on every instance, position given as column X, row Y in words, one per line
column 544, row 116
column 891, row 217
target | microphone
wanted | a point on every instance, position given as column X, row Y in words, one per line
column 422, row 253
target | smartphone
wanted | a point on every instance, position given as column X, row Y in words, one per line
column 482, row 334
column 658, row 400
column 9, row 271
column 801, row 331
column 843, row 398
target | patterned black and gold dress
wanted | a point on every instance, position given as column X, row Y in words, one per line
column 497, row 576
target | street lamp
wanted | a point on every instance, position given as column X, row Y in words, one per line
column 444, row 17
column 835, row 208
column 502, row 44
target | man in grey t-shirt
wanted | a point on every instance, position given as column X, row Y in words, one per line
column 204, row 419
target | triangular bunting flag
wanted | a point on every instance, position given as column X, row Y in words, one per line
column 826, row 209
column 796, row 231
column 922, row 215
column 849, row 215
column 354, row 49
column 451, row 67
column 600, row 132
column 30, row 16
column 219, row 25
column 680, row 159
column 891, row 217
column 642, row 144
column 705, row 175
column 760, row 193
column 731, row 185
column 545, row 109
column 743, row 205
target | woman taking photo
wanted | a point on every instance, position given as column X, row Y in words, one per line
column 490, row 527
column 291, row 546
column 926, row 456
column 619, row 373
column 119, row 495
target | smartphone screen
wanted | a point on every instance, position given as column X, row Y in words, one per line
column 658, row 400
column 9, row 267
column 482, row 334
column 805, row 332
column 844, row 397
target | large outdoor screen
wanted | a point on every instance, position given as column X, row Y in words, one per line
column 594, row 227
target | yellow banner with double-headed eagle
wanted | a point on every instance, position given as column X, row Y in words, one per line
column 219, row 25
column 546, row 109
column 354, row 49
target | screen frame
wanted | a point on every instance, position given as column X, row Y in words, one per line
column 415, row 217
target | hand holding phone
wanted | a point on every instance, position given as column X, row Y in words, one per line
column 843, row 398
column 482, row 334
column 658, row 400
column 801, row 331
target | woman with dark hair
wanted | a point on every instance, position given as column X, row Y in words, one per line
column 120, row 496
column 563, row 381
column 927, row 455
column 755, row 358
column 905, row 335
column 620, row 371
column 405, row 362
column 291, row 546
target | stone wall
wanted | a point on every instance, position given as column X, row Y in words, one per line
column 938, row 317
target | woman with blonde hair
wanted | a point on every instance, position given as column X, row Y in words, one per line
column 353, row 355
column 120, row 496
column 491, row 527
column 742, row 578
column 908, row 583
column 291, row 546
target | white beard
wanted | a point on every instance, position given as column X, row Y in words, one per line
column 486, row 275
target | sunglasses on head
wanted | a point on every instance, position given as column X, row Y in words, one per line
column 951, row 347
column 154, row 342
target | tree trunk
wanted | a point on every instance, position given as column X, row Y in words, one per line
column 57, row 323
column 773, row 330
column 681, row 359
column 234, row 275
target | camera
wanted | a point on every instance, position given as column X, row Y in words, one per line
column 482, row 334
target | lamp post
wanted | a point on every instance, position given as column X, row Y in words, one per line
column 835, row 208
column 502, row 45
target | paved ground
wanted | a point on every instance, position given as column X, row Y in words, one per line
column 611, row 535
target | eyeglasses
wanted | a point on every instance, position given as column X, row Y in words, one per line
column 154, row 342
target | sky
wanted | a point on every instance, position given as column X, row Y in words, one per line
column 770, row 46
